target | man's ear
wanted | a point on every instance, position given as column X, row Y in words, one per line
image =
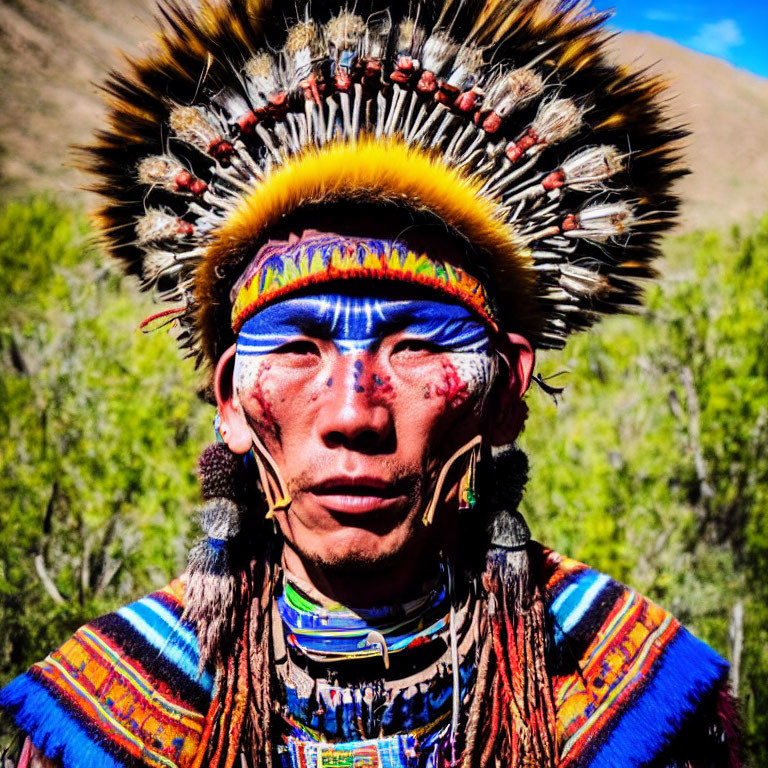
column 233, row 426
column 520, row 359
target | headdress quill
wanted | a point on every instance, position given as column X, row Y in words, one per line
column 504, row 119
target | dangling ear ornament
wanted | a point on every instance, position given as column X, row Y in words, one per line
column 275, row 491
column 467, row 486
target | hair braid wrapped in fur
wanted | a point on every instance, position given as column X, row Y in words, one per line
column 229, row 586
column 513, row 686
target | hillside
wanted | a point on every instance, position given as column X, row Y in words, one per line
column 726, row 110
column 52, row 51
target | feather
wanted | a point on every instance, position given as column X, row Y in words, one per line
column 513, row 90
column 159, row 227
column 453, row 91
column 410, row 39
column 438, row 52
column 584, row 283
column 557, row 120
column 600, row 222
column 166, row 172
column 260, row 74
column 588, row 168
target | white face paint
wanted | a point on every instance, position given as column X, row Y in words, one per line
column 358, row 325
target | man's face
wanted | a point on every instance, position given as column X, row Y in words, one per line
column 360, row 401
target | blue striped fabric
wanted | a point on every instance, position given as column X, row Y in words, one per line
column 123, row 692
column 626, row 678
column 57, row 734
column 165, row 632
column 636, row 674
column 688, row 671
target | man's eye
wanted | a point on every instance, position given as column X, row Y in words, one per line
column 416, row 345
column 301, row 347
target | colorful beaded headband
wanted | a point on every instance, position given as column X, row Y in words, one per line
column 283, row 268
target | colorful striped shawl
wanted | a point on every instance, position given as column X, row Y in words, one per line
column 626, row 675
column 125, row 689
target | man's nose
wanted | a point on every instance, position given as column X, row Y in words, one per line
column 352, row 415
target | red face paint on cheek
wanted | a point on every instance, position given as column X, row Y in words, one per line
column 381, row 389
column 258, row 401
column 453, row 388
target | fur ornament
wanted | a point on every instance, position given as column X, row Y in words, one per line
column 211, row 577
column 518, row 723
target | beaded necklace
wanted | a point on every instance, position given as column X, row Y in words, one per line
column 374, row 683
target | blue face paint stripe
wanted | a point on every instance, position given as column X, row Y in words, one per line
column 356, row 324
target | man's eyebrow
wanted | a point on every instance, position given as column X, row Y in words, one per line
column 312, row 326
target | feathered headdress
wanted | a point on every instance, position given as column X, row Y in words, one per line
column 502, row 118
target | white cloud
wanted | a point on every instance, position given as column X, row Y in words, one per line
column 659, row 14
column 718, row 37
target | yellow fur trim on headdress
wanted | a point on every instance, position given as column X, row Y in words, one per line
column 376, row 170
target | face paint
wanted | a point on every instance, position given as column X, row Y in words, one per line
column 361, row 401
column 357, row 326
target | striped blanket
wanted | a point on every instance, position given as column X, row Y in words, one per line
column 125, row 689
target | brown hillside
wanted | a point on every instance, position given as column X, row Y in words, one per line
column 52, row 51
column 726, row 110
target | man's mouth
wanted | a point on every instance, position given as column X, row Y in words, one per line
column 360, row 494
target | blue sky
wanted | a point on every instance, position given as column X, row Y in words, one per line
column 736, row 31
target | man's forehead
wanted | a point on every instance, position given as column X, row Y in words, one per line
column 358, row 318
column 326, row 262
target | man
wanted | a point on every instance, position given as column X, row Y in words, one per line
column 367, row 220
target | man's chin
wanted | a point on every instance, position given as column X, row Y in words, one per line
column 355, row 562
column 361, row 553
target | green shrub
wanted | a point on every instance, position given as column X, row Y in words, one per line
column 654, row 467
column 101, row 429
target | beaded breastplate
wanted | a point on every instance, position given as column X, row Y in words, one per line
column 372, row 687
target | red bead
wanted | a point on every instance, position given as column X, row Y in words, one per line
column 570, row 222
column 278, row 105
column 184, row 228
column 371, row 76
column 529, row 140
column 513, row 152
column 197, row 187
column 555, row 180
column 311, row 91
column 467, row 101
column 343, row 82
column 183, row 180
column 427, row 83
column 446, row 94
column 221, row 150
column 492, row 123
column 248, row 122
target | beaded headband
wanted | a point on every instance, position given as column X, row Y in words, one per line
column 280, row 269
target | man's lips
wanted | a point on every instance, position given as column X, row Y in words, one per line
column 358, row 494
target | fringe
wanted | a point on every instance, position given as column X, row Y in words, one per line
column 729, row 718
column 56, row 734
column 522, row 728
column 513, row 681
column 234, row 534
